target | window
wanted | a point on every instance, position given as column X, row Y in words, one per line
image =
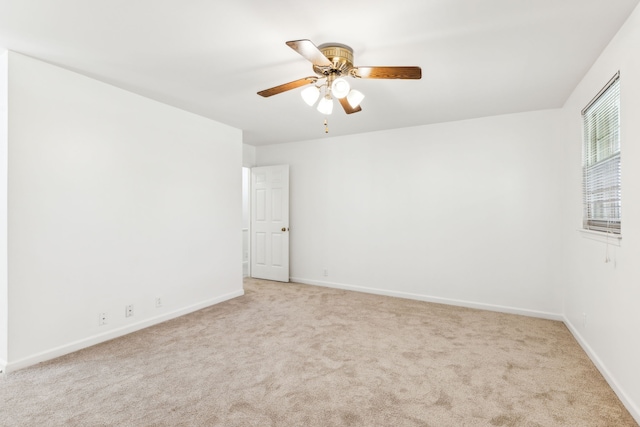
column 601, row 160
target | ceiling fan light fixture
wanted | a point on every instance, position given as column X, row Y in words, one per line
column 340, row 88
column 310, row 95
column 331, row 62
column 354, row 98
column 325, row 106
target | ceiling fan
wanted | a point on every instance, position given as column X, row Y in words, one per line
column 331, row 62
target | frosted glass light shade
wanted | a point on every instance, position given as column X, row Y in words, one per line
column 310, row 95
column 340, row 88
column 354, row 98
column 325, row 106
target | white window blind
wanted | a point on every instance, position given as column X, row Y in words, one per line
column 601, row 160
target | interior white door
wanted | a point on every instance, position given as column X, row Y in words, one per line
column 270, row 222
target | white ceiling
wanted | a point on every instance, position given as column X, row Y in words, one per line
column 478, row 58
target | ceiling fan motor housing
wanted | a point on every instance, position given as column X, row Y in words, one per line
column 341, row 57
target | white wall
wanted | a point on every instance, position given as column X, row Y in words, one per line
column 464, row 212
column 246, row 219
column 248, row 156
column 608, row 293
column 248, row 161
column 3, row 208
column 114, row 199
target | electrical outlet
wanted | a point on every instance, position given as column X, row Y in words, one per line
column 584, row 320
column 158, row 302
column 325, row 272
column 102, row 319
column 128, row 310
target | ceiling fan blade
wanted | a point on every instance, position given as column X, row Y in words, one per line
column 347, row 107
column 387, row 72
column 288, row 86
column 310, row 51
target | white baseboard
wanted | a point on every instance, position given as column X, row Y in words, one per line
column 114, row 333
column 427, row 298
column 613, row 383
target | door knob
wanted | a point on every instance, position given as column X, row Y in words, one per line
column 284, row 229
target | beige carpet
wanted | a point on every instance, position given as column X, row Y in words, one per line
column 296, row 355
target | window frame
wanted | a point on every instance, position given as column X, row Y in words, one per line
column 601, row 155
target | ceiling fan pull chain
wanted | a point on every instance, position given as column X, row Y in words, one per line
column 326, row 127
